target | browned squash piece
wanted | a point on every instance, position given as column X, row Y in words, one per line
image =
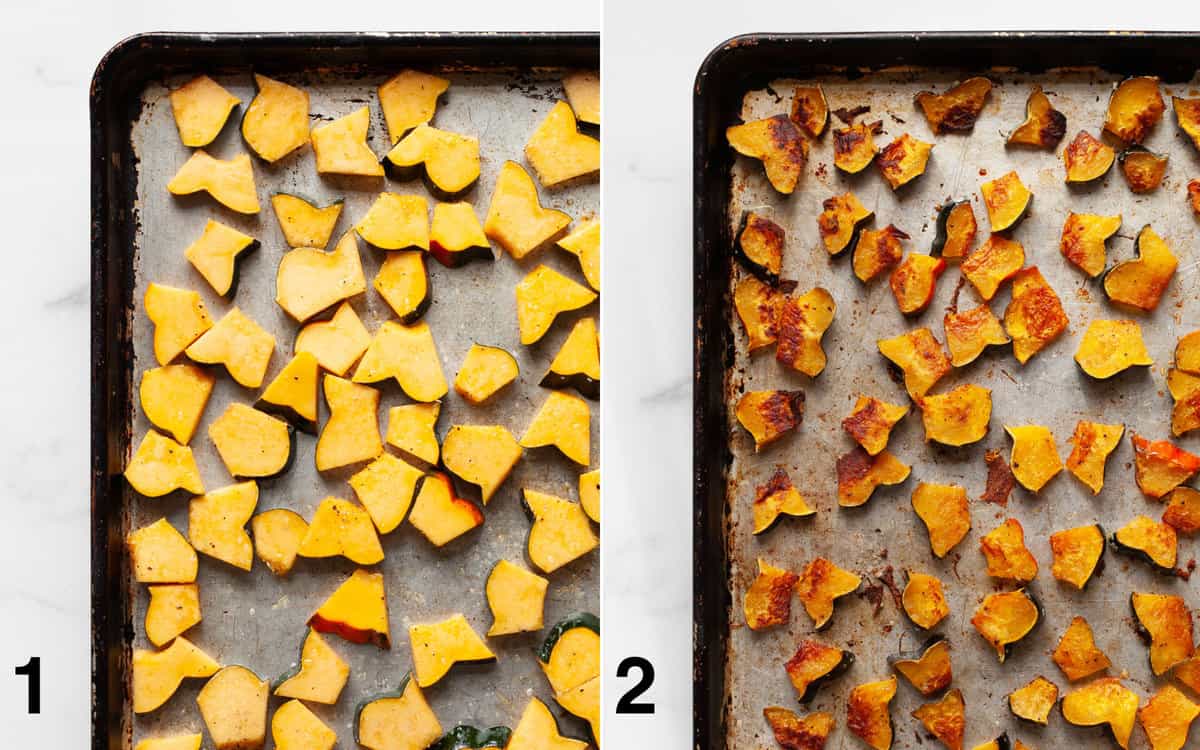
column 1187, row 114
column 914, row 282
column 558, row 152
column 1006, row 199
column 1044, row 126
column 440, row 514
column 924, row 601
column 577, row 363
column 968, row 333
column 456, row 236
column 564, row 421
column 1187, row 353
column 768, row 601
column 1141, row 282
column 758, row 306
column 1077, row 553
column 1134, row 108
column 1144, row 170
column 240, row 344
column 351, row 434
column 1087, row 158
column 1110, row 347
column 778, row 497
column 1167, row 717
column 1183, row 510
column 230, row 183
column 1149, row 540
column 903, row 160
column 409, row 354
column 215, row 254
column 159, row 554
column 810, row 111
column 516, row 219
column 582, row 88
column 356, row 611
column 1034, row 317
column 759, row 247
column 1103, row 701
column 867, row 712
column 386, row 488
column 277, row 535
column 337, row 343
column 955, row 230
column 276, row 122
column 769, row 415
column 448, row 161
column 943, row 508
column 1160, row 466
column 793, row 732
column 179, row 318
column 396, row 222
column 778, row 144
column 483, row 455
column 1187, row 672
column 217, row 524
column 160, row 466
column 928, row 668
column 292, row 395
column 201, row 107
column 1034, row 458
column 1092, row 443
column 1034, row 700
column 1083, row 238
column 841, row 220
column 1006, row 554
column 1166, row 622
column 1005, row 618
column 340, row 146
column 991, row 264
column 1076, row 653
column 339, row 528
column 919, row 356
column 870, row 423
column 821, row 584
column 541, row 296
column 957, row 417
column 946, row 719
column 309, row 280
column 958, row 108
column 484, row 371
column 802, row 322
column 877, row 252
column 408, row 99
column 233, row 704
column 815, row 664
column 1193, row 191
column 859, row 473
column 853, row 148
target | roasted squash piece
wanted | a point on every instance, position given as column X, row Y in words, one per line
column 768, row 600
column 1092, row 443
column 589, row 493
column 560, row 532
column 815, row 664
column 160, row 466
column 292, row 395
column 1001, row 742
column 769, row 415
column 870, row 423
column 1187, row 114
column 440, row 514
column 867, row 712
column 570, row 653
column 958, row 108
column 903, row 160
column 356, row 611
column 295, row 727
column 386, row 488
column 758, row 307
column 240, row 344
column 759, row 247
column 351, row 434
column 914, row 282
column 558, row 152
column 230, row 183
column 337, row 343
column 233, row 704
column 1006, row 199
column 841, row 220
column 319, row 675
column 408, row 99
column 1185, row 391
column 403, row 282
column 1103, row 701
column 408, row 354
column 341, row 146
column 1077, row 553
column 584, row 244
column 484, row 371
column 1109, row 347
column 810, row 111
column 411, row 430
column 1034, row 317
column 820, row 585
column 779, row 144
column 1183, row 510
column 968, row 333
column 1044, row 126
column 1187, row 672
column 215, row 254
column 179, row 318
column 398, row 720
column 946, row 719
column 217, row 523
column 538, row 730
column 1087, row 158
column 1076, row 653
column 991, row 264
column 175, row 742
column 448, row 161
column 455, row 235
column 516, row 596
column 173, row 609
column 921, row 358
column 954, row 233
column 277, row 535
column 1150, row 540
column 577, row 363
column 1193, row 192
column 276, row 122
column 778, row 497
column 201, row 107
column 1144, row 170
column 341, row 528
column 464, row 737
column 159, row 554
column 563, row 421
column 396, row 222
column 304, row 224
column 1005, row 618
column 437, row 647
column 853, row 147
column 1167, row 717
column 1006, row 554
column 1034, row 458
column 802, row 323
column 1161, row 466
column 1141, row 282
column 309, row 280
column 924, row 600
column 516, row 219
column 877, row 251
column 541, row 296
column 859, row 473
column 928, row 668
column 1083, row 238
column 957, row 417
column 582, row 88
column 482, row 455
column 251, row 443
column 1033, row 701
column 158, row 674
column 794, row 732
column 943, row 508
column 1134, row 107
column 1166, row 622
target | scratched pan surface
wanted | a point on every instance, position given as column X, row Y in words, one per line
column 257, row 619
column 884, row 538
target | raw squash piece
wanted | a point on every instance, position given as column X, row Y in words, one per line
column 1083, row 238
column 1044, row 126
column 584, row 244
column 793, row 732
column 1005, row 618
column 563, row 421
column 408, row 99
column 924, row 600
column 969, row 333
column 319, row 676
column 1167, row 717
column 821, row 584
column 560, row 533
column 159, row 554
column 769, row 415
column 411, row 430
column 919, row 356
column 386, row 488
column 409, row 354
column 877, row 252
column 357, row 611
column 1092, row 443
column 1150, row 540
column 201, row 107
column 464, row 737
column 867, row 712
column 943, row 508
column 216, row 254
column 582, row 88
column 484, row 371
column 870, row 423
column 217, row 524
column 1077, row 553
column 815, row 664
column 589, row 493
column 570, row 654
column 403, row 283
column 456, row 237
column 802, row 323
column 758, row 307
column 1034, row 317
column 1076, row 653
column 946, row 719
column 341, row 146
column 240, row 344
column 252, row 444
column 927, row 669
column 439, row 514
column 516, row 219
column 439, row 646
column 538, row 730
column 1102, row 701
column 1185, row 391
column 1144, row 170
column 958, row 108
column 858, row 474
column 160, row 466
column 1109, row 347
column 991, row 264
column 903, row 160
column 853, row 148
column 558, row 152
column 1187, row 114
column 483, row 455
column 577, row 364
column 304, row 224
column 292, row 395
column 841, row 220
column 516, row 596
column 759, row 247
column 1006, row 554
column 957, row 417
column 294, row 727
column 233, row 704
column 396, row 222
column 1034, row 459
column 351, row 434
column 1183, row 510
column 1165, row 621
column 778, row 144
column 230, row 183
column 177, row 742
column 1141, row 282
column 768, row 600
column 173, row 608
column 158, row 674
column 310, row 280
column 448, row 161
column 1134, row 108
column 778, row 497
column 583, row 701
column 276, row 122
column 337, row 343
column 1033, row 701
column 809, row 110
column 914, row 282
column 277, row 535
column 541, row 296
column 179, row 318
column 340, row 527
column 954, row 234
column 1161, row 466
column 400, row 720
column 1087, row 158
column 1006, row 199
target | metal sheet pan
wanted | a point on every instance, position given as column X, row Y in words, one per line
column 502, row 85
column 741, row 671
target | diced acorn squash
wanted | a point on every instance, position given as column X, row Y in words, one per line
column 944, row 509
column 809, row 110
column 1109, row 347
column 841, row 221
column 1185, row 391
column 341, row 528
column 957, row 417
column 175, row 742
column 1004, row 618
column 351, row 434
column 215, row 254
column 1103, row 701
column 1033, row 701
column 230, row 183
column 438, row 646
column 820, row 585
column 768, row 600
column 276, row 122
column 853, row 147
column 928, row 668
column 217, row 523
column 1034, row 458
column 538, row 730
column 1134, row 107
column 541, row 296
column 403, row 282
column 156, row 675
column 945, row 719
column 858, row 474
column 1006, row 199
column 1001, row 742
column 337, row 343
column 1187, row 114
column 1076, row 653
column 1044, row 126
column 903, row 160
column 1160, row 466
column 919, row 356
column 813, row 665
column 1166, row 621
column 1193, row 192
column 179, row 318
column 295, row 727
column 759, row 246
column 758, row 307
column 924, row 600
column 583, row 701
column 448, row 161
column 778, row 143
column 1144, row 170
column 1187, row 672
column 1167, row 717
column 516, row 219
column 1183, row 510
column 958, row 108
column 159, row 554
column 485, row 371
column 577, row 363
column 563, row 421
column 589, row 493
column 582, row 88
column 871, row 421
column 408, row 99
column 201, row 108
column 1087, row 158
column 160, row 466
column 991, row 264
column 251, row 443
column 1149, row 540
column 793, row 732
column 173, row 609
column 1006, row 555
column 411, row 430
column 439, row 514
column 570, row 653
column 778, row 497
column 769, row 415
column 277, row 535
column 1077, row 553
column 877, row 252
column 456, row 236
column 482, row 455
column 304, row 224
column 1083, row 238
column 1141, row 282
column 954, row 233
column 356, row 611
column 386, row 488
column 292, row 395
column 240, row 344
column 396, row 222
column 561, row 532
column 340, row 146
column 407, row 353
column 1034, row 317
column 233, row 704
column 802, row 323
column 309, row 280
column 867, row 712
column 914, row 282
column 1092, row 443
column 969, row 332
column 319, row 675
column 398, row 720
column 516, row 597
column 558, row 152
column 584, row 244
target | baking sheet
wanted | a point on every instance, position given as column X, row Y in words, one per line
column 885, row 535
column 258, row 619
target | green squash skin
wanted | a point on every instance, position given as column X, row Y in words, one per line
column 585, row 385
column 405, row 174
column 466, row 737
column 838, row 670
column 941, row 235
column 246, row 252
column 293, row 671
column 570, row 622
column 459, row 258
